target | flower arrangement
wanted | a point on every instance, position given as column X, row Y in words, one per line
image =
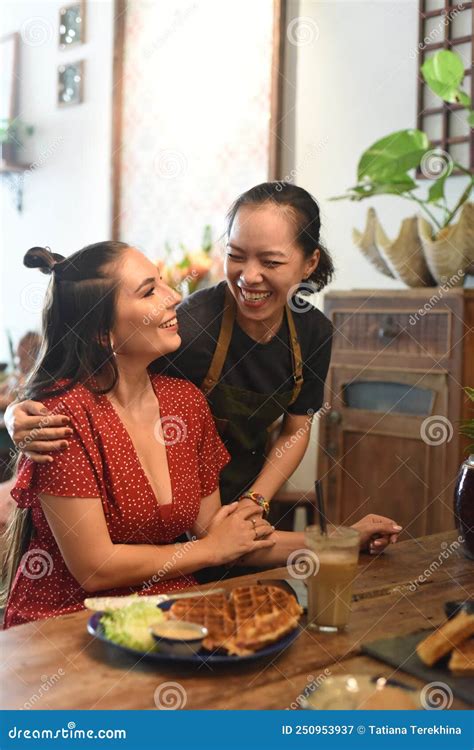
column 195, row 269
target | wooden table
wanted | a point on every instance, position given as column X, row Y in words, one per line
column 55, row 664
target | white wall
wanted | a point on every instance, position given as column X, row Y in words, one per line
column 67, row 197
column 356, row 76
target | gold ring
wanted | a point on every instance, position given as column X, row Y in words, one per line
column 256, row 535
column 254, row 523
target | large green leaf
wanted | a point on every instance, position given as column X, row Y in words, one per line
column 388, row 159
column 444, row 73
column 369, row 189
column 436, row 191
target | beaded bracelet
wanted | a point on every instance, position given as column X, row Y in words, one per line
column 258, row 499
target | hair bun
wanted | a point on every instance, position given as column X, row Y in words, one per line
column 42, row 258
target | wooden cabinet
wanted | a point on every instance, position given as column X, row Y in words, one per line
column 390, row 443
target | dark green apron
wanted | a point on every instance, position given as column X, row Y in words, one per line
column 245, row 418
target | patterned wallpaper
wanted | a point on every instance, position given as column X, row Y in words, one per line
column 196, row 109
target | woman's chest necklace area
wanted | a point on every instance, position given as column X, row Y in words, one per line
column 260, row 332
column 145, row 432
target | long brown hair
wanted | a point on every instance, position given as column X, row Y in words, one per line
column 78, row 316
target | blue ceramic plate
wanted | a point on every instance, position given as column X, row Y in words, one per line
column 94, row 627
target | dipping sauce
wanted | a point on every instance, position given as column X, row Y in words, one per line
column 178, row 638
column 180, row 631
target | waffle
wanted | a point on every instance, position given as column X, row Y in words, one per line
column 263, row 615
column 249, row 619
column 214, row 612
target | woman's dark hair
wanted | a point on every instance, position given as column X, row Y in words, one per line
column 77, row 318
column 304, row 211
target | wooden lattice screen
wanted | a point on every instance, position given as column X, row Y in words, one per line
column 445, row 25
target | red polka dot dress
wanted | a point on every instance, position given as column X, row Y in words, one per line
column 101, row 461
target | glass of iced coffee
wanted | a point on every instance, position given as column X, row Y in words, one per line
column 335, row 555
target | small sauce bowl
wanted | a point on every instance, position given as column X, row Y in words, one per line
column 178, row 637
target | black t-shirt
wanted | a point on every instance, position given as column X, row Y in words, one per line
column 262, row 368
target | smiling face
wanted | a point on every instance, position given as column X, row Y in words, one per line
column 263, row 261
column 145, row 323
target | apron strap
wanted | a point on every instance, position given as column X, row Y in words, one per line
column 220, row 353
column 225, row 335
column 296, row 356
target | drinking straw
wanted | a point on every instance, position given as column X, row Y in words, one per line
column 320, row 506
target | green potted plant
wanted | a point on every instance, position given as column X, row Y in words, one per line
column 13, row 133
column 431, row 247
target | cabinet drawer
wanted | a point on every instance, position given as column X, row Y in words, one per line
column 409, row 332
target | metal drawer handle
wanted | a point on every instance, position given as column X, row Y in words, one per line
column 389, row 328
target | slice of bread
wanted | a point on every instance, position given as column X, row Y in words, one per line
column 442, row 641
column 461, row 662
